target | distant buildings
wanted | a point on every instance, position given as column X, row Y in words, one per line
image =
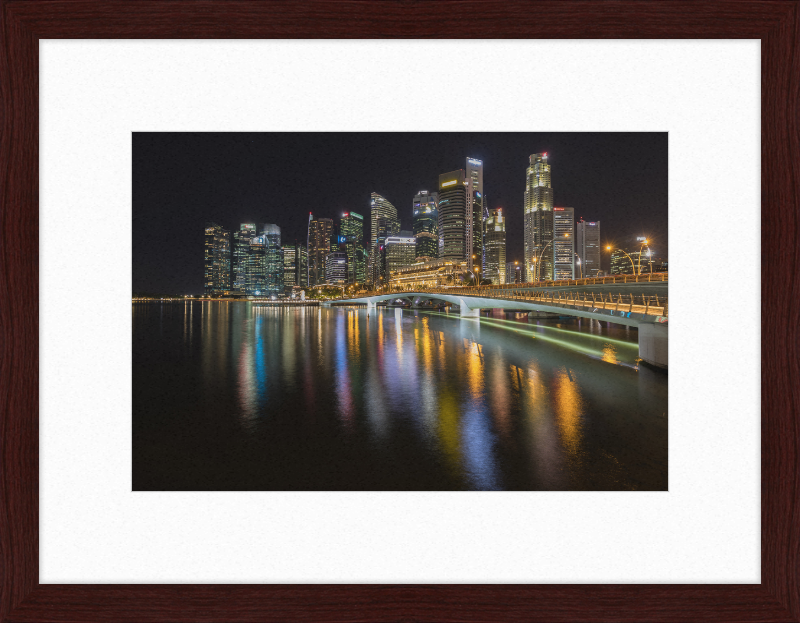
column 588, row 247
column 538, row 219
column 273, row 261
column 563, row 243
column 634, row 258
column 475, row 209
column 351, row 237
column 495, row 244
column 217, row 260
column 295, row 266
column 513, row 272
column 320, row 236
column 426, row 224
column 241, row 252
column 384, row 222
column 454, row 243
column 431, row 274
column 336, row 268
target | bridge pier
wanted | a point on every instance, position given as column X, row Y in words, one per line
column 370, row 305
column 466, row 312
column 653, row 344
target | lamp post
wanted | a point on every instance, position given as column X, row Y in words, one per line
column 579, row 263
column 536, row 266
column 633, row 266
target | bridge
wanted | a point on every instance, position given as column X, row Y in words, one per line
column 634, row 300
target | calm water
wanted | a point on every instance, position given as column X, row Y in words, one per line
column 233, row 396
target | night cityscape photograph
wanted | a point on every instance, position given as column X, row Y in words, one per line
column 397, row 311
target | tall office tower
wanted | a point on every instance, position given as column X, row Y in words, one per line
column 563, row 243
column 385, row 227
column 513, row 272
column 257, row 266
column 426, row 224
column 351, row 235
column 273, row 263
column 336, row 268
column 454, row 218
column 400, row 252
column 380, row 207
column 588, row 247
column 217, row 260
column 301, row 277
column 476, row 206
column 320, row 235
column 241, row 250
column 495, row 265
column 289, row 252
column 538, row 222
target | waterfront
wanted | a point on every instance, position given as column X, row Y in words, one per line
column 231, row 396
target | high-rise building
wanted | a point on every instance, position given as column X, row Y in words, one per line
column 400, row 252
column 587, row 240
column 476, row 209
column 289, row 253
column 351, row 235
column 455, row 243
column 320, row 236
column 241, row 251
column 301, row 276
column 376, row 268
column 217, row 260
column 632, row 259
column 273, row 263
column 563, row 243
column 513, row 272
column 336, row 268
column 257, row 266
column 380, row 207
column 538, row 223
column 495, row 243
column 426, row 224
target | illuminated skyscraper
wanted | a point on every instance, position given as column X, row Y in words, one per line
column 380, row 207
column 476, row 208
column 217, row 260
column 336, row 268
column 588, row 247
column 351, row 235
column 320, row 236
column 538, row 223
column 513, row 272
column 426, row 224
column 495, row 242
column 289, row 255
column 257, row 266
column 241, row 251
column 563, row 243
column 273, row 263
column 400, row 252
column 385, row 227
column 455, row 243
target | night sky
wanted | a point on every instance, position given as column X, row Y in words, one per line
column 181, row 180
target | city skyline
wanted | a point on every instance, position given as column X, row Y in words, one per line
column 169, row 171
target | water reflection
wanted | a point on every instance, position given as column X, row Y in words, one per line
column 310, row 398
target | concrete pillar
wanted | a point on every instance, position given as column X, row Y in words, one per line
column 466, row 312
column 370, row 305
column 653, row 344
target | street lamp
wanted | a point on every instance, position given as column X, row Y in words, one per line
column 536, row 266
column 633, row 266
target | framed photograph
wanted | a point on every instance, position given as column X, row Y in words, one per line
column 422, row 369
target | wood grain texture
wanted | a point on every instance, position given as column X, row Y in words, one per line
column 24, row 22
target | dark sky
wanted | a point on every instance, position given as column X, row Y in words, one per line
column 181, row 180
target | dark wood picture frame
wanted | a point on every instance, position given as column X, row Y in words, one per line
column 24, row 22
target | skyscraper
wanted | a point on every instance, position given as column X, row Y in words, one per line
column 588, row 247
column 351, row 235
column 336, row 268
column 476, row 208
column 454, row 219
column 513, row 272
column 301, row 276
column 289, row 254
column 538, row 224
column 320, row 234
column 217, row 260
column 426, row 224
column 380, row 207
column 495, row 242
column 563, row 243
column 257, row 266
column 273, row 264
column 241, row 251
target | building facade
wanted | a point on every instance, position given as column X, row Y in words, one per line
column 587, row 239
column 426, row 224
column 538, row 219
column 351, row 237
column 320, row 236
column 380, row 207
column 563, row 243
column 217, row 260
column 432, row 274
column 513, row 272
column 289, row 254
column 376, row 268
column 477, row 208
column 495, row 243
column 273, row 259
column 241, row 251
column 400, row 252
column 257, row 267
column 454, row 241
column 336, row 268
